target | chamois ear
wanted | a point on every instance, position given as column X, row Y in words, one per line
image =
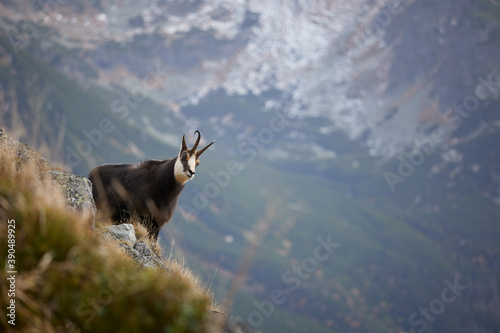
column 198, row 153
column 184, row 146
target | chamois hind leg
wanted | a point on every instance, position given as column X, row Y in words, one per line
column 120, row 215
column 154, row 229
column 116, row 216
column 155, row 234
column 151, row 225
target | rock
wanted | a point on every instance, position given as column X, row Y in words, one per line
column 123, row 232
column 77, row 190
column 138, row 257
column 149, row 256
column 138, row 250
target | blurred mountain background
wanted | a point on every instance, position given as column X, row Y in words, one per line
column 371, row 125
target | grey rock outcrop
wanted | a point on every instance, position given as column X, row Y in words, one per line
column 123, row 232
column 76, row 189
column 138, row 250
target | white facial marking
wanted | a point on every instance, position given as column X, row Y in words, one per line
column 182, row 175
column 192, row 163
column 179, row 172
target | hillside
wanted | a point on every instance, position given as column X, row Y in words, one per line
column 65, row 275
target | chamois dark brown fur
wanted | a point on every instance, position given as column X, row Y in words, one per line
column 149, row 189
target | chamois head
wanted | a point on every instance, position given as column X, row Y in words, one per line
column 188, row 160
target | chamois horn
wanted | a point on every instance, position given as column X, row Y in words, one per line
column 198, row 153
column 184, row 146
column 197, row 141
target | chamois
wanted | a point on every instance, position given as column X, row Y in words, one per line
column 150, row 189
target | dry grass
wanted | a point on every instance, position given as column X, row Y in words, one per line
column 180, row 271
column 141, row 232
column 177, row 267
